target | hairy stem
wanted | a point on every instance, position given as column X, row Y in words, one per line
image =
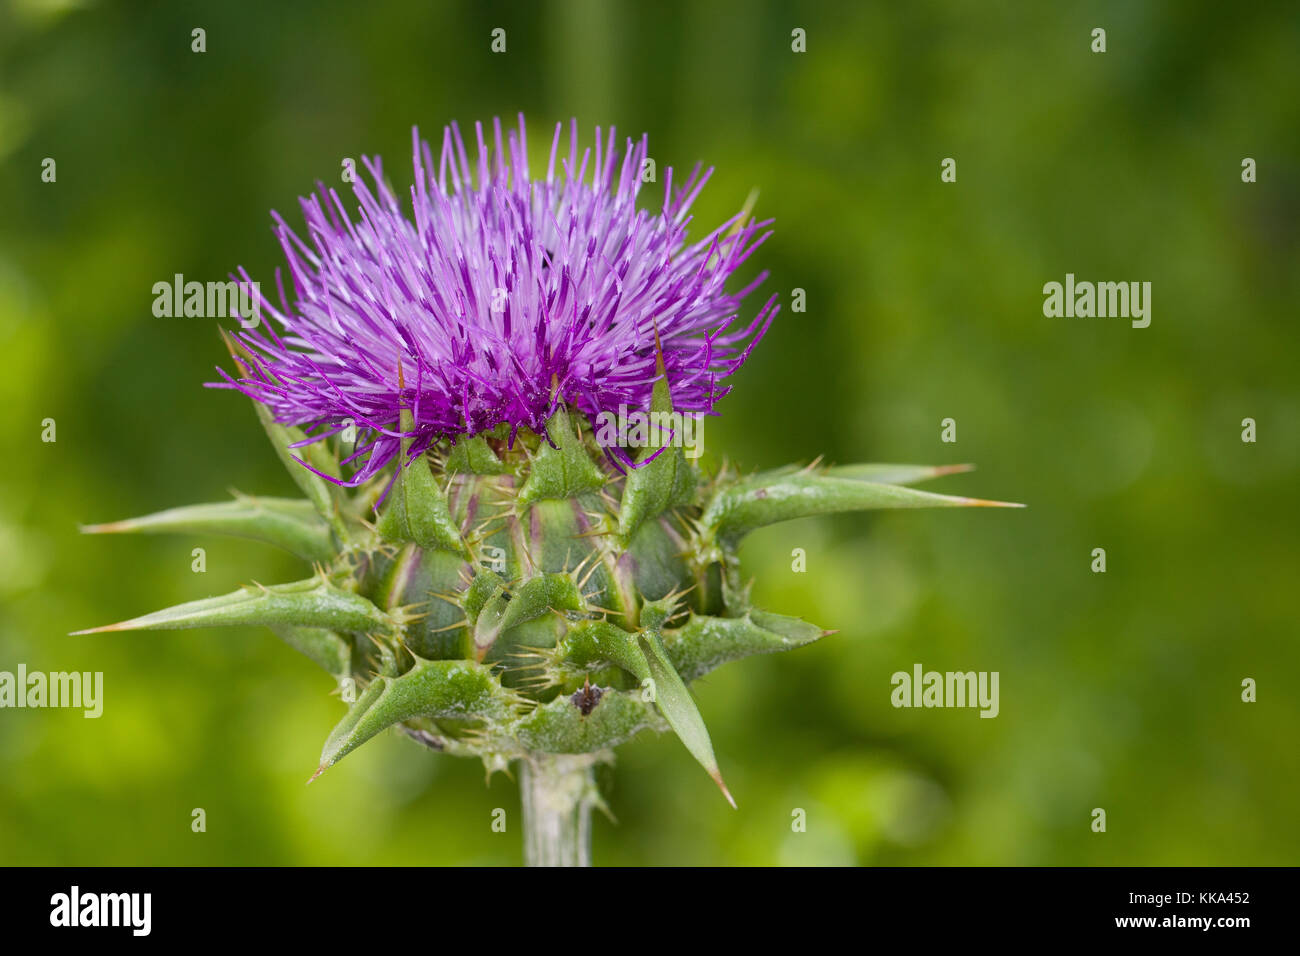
column 557, row 793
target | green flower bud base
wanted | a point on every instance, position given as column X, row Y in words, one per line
column 529, row 604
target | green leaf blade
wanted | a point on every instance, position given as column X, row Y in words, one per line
column 310, row 603
column 436, row 689
column 564, row 470
column 668, row 481
column 705, row 642
column 288, row 523
column 892, row 474
column 323, row 497
column 417, row 511
column 753, row 503
column 679, row 709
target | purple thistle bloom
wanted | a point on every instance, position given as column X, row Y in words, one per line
column 503, row 297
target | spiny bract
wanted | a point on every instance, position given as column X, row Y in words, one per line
column 498, row 583
column 493, row 578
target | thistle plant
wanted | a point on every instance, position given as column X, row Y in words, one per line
column 493, row 572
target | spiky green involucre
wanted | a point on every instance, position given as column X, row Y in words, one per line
column 517, row 601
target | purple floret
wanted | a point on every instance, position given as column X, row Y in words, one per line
column 497, row 298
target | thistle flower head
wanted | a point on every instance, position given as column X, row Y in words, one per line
column 488, row 297
column 513, row 607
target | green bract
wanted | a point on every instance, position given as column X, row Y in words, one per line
column 525, row 602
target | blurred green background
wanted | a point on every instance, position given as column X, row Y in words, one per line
column 1118, row 690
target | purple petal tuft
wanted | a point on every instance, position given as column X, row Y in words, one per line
column 498, row 297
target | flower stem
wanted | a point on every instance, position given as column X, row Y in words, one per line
column 557, row 792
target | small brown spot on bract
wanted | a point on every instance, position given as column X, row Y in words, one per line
column 760, row 493
column 587, row 698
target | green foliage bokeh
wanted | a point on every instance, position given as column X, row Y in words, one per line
column 1118, row 690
